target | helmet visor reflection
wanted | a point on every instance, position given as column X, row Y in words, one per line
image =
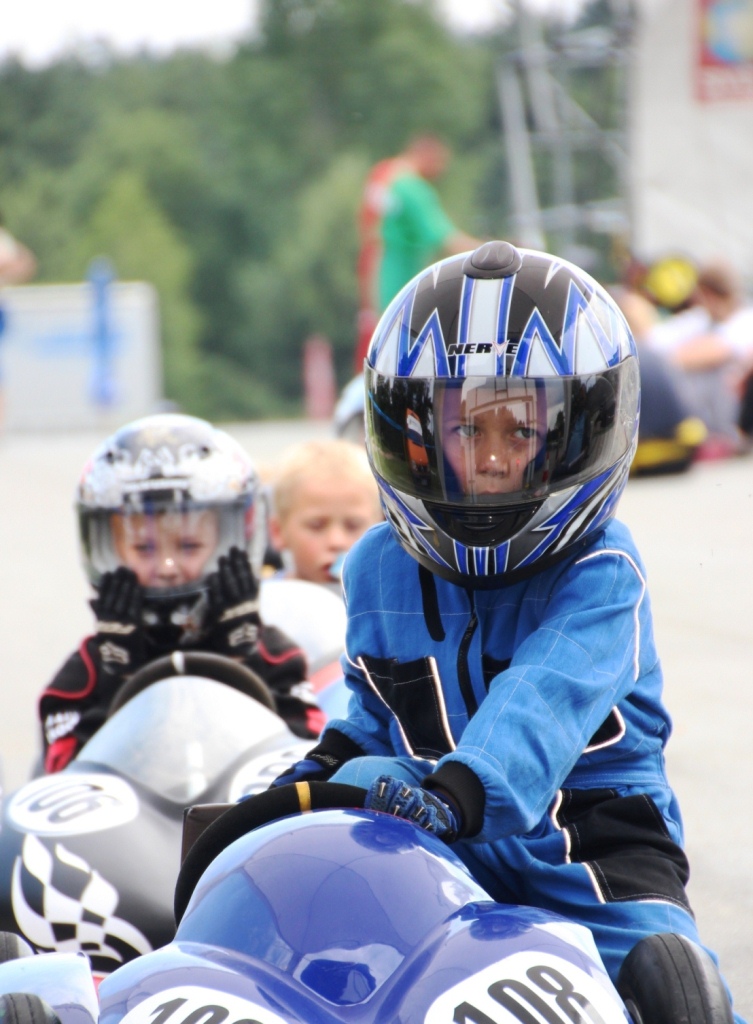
column 494, row 441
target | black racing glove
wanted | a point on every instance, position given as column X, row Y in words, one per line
column 120, row 635
column 232, row 619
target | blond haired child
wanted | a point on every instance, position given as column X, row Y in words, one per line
column 324, row 498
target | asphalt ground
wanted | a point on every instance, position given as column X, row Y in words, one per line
column 694, row 532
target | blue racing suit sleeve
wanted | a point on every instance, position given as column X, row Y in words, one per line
column 585, row 658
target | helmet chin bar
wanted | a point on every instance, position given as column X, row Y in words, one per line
column 482, row 527
column 509, row 576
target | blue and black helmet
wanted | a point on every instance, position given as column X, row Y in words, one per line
column 502, row 399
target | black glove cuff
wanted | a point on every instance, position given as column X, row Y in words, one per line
column 466, row 792
column 334, row 750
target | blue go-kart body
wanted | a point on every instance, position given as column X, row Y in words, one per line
column 349, row 915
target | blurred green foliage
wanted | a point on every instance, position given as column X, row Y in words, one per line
column 232, row 185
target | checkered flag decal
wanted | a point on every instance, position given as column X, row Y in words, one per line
column 60, row 903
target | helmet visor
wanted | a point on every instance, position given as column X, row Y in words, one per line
column 171, row 547
column 498, row 441
column 168, row 548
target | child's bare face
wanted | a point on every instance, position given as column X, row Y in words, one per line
column 326, row 518
column 166, row 549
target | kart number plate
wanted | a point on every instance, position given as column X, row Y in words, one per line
column 72, row 804
column 192, row 1004
column 529, row 987
column 255, row 776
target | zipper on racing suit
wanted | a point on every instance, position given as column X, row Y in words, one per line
column 464, row 673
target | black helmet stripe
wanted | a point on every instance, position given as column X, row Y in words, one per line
column 440, row 291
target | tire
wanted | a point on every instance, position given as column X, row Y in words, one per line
column 13, row 947
column 669, row 979
column 196, row 663
column 23, row 1008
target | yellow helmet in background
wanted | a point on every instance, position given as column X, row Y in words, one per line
column 671, row 281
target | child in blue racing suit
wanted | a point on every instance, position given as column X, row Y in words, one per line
column 506, row 692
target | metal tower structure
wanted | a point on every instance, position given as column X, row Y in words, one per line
column 549, row 137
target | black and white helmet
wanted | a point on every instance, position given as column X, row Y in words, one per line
column 169, row 468
column 502, row 400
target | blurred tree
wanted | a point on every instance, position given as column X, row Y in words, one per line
column 42, row 209
column 233, row 184
column 378, row 73
column 308, row 283
column 129, row 228
column 366, row 77
column 44, row 117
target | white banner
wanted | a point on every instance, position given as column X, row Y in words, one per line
column 691, row 126
column 79, row 356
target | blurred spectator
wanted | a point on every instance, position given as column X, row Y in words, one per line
column 17, row 265
column 402, row 228
column 711, row 344
column 745, row 422
column 324, row 498
column 668, row 436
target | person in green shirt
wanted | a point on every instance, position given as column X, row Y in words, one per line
column 403, row 227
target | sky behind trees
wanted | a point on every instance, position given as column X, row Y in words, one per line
column 233, row 185
column 38, row 32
